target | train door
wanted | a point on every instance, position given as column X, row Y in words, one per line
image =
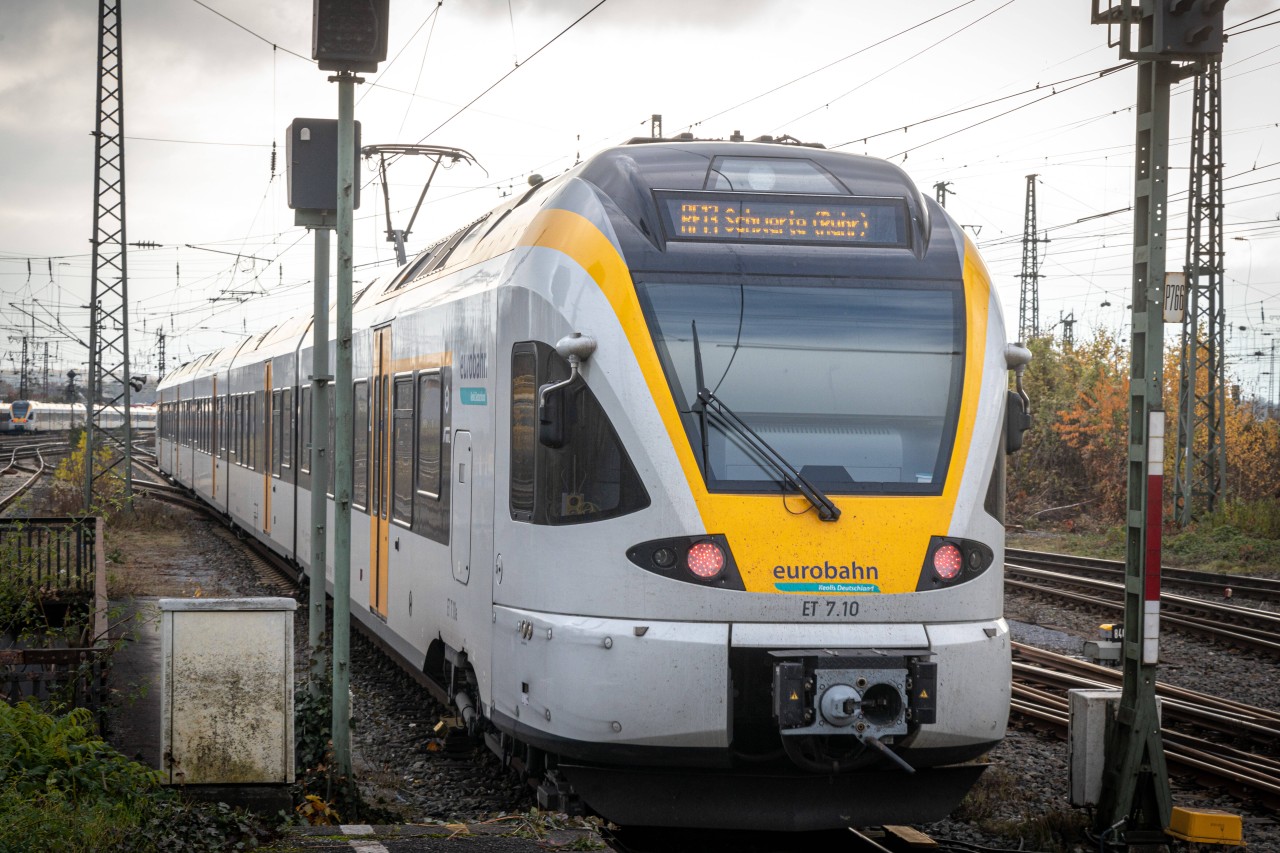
column 380, row 475
column 266, row 455
column 460, row 537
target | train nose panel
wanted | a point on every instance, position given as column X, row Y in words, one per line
column 843, row 698
column 861, row 692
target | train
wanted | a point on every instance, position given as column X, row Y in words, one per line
column 680, row 474
column 34, row 416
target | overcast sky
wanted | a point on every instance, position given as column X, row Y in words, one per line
column 211, row 85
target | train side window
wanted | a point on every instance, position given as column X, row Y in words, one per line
column 590, row 477
column 524, row 429
column 330, row 445
column 304, row 429
column 277, row 431
column 257, row 426
column 286, row 445
column 402, row 450
column 429, row 434
column 360, row 445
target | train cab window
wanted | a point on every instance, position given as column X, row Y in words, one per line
column 402, row 450
column 588, row 478
column 360, row 445
column 856, row 383
column 429, row 434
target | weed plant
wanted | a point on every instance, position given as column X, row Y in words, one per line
column 63, row 788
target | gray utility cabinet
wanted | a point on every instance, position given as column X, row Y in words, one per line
column 227, row 691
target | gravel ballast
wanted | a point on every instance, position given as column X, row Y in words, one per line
column 1021, row 802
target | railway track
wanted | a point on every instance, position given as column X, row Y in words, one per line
column 1217, row 742
column 11, row 498
column 1260, row 588
column 1233, row 624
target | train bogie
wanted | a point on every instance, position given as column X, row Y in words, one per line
column 684, row 469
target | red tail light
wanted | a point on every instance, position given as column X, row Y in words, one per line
column 706, row 560
column 948, row 561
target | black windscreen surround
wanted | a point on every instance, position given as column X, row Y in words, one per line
column 857, row 384
column 589, row 478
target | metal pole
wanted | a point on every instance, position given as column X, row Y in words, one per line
column 1135, row 783
column 319, row 455
column 342, row 431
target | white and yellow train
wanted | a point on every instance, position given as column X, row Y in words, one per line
column 36, row 416
column 682, row 473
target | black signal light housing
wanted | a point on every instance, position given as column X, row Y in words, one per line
column 949, row 561
column 703, row 560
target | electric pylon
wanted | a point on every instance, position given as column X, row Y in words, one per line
column 1202, row 454
column 109, row 380
column 1029, row 300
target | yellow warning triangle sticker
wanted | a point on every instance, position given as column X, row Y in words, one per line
column 794, row 697
column 924, row 694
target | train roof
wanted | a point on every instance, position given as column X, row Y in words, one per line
column 629, row 175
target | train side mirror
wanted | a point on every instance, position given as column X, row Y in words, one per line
column 553, row 415
column 553, row 399
column 1017, row 420
column 1017, row 416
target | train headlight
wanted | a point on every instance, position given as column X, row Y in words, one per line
column 947, row 561
column 705, row 560
column 665, row 558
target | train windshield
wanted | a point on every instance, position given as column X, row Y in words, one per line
column 20, row 408
column 856, row 384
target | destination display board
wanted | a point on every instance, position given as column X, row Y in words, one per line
column 755, row 218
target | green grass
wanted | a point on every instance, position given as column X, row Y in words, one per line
column 1240, row 538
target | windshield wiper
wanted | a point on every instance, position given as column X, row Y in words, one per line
column 708, row 401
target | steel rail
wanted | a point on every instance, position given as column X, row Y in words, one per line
column 8, row 501
column 1253, row 586
column 1195, row 756
column 1208, row 621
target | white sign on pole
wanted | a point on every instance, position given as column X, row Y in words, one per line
column 1175, row 296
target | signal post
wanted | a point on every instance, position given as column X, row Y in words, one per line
column 1135, row 805
column 346, row 38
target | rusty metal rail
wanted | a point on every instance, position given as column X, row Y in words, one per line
column 1245, row 627
column 1249, row 586
column 1215, row 740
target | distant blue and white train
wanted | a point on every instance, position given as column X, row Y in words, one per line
column 34, row 416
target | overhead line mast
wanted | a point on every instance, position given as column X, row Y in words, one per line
column 1029, row 301
column 108, row 298
column 1135, row 799
column 1202, row 454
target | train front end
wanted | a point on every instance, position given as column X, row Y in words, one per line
column 776, row 593
column 21, row 416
